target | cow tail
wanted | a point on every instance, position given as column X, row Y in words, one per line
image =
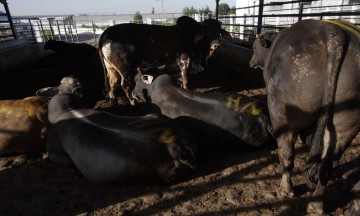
column 336, row 43
column 101, row 55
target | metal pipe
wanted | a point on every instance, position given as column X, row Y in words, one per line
column 261, row 8
column 10, row 19
column 217, row 10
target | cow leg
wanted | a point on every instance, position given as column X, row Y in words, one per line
column 114, row 78
column 128, row 86
column 184, row 63
column 286, row 157
column 330, row 141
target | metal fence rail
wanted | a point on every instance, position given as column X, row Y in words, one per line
column 273, row 16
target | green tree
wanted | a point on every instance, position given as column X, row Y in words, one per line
column 205, row 11
column 189, row 11
column 224, row 9
column 233, row 10
column 138, row 18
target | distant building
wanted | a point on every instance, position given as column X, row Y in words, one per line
column 293, row 8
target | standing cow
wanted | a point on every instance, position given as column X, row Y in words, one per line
column 124, row 47
column 107, row 148
column 239, row 116
column 312, row 79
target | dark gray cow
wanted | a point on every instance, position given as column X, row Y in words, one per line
column 312, row 79
column 107, row 149
column 124, row 47
column 70, row 49
column 237, row 114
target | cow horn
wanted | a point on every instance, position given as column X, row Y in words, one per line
column 147, row 79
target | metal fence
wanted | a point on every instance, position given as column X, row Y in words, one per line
column 274, row 16
column 62, row 28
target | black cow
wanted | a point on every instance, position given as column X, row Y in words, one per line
column 125, row 47
column 107, row 149
column 62, row 48
column 239, row 115
column 312, row 79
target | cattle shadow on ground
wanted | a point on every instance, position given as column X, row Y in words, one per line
column 28, row 188
column 46, row 184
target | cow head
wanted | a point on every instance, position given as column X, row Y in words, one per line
column 70, row 85
column 148, row 80
column 50, row 44
column 190, row 29
column 213, row 30
column 261, row 47
column 144, row 80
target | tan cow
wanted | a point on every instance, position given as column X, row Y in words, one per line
column 23, row 125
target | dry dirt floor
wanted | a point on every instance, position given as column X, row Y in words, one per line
column 228, row 182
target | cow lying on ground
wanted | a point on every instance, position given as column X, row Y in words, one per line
column 240, row 116
column 70, row 49
column 124, row 47
column 313, row 79
column 23, row 125
column 106, row 148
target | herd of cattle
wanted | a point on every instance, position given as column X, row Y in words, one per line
column 312, row 76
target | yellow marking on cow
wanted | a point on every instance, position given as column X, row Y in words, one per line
column 236, row 102
column 254, row 109
column 167, row 136
column 346, row 26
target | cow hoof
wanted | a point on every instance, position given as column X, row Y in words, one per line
column 311, row 175
column 132, row 102
column 286, row 193
column 315, row 208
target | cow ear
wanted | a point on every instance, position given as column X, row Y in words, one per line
column 226, row 35
column 147, row 79
column 198, row 36
column 141, row 70
column 265, row 43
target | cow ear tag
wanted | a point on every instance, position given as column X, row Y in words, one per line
column 147, row 79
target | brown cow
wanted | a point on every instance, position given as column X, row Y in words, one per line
column 124, row 47
column 23, row 125
column 313, row 80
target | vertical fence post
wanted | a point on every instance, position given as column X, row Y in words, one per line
column 32, row 30
column 51, row 28
column 10, row 19
column 58, row 28
column 301, row 8
column 70, row 31
column 94, row 30
column 76, row 34
column 42, row 31
column 261, row 9
column 217, row 10
column 66, row 35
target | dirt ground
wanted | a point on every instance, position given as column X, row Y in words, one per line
column 225, row 182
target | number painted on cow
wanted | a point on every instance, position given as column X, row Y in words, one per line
column 167, row 136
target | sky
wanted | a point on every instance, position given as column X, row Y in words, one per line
column 76, row 7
